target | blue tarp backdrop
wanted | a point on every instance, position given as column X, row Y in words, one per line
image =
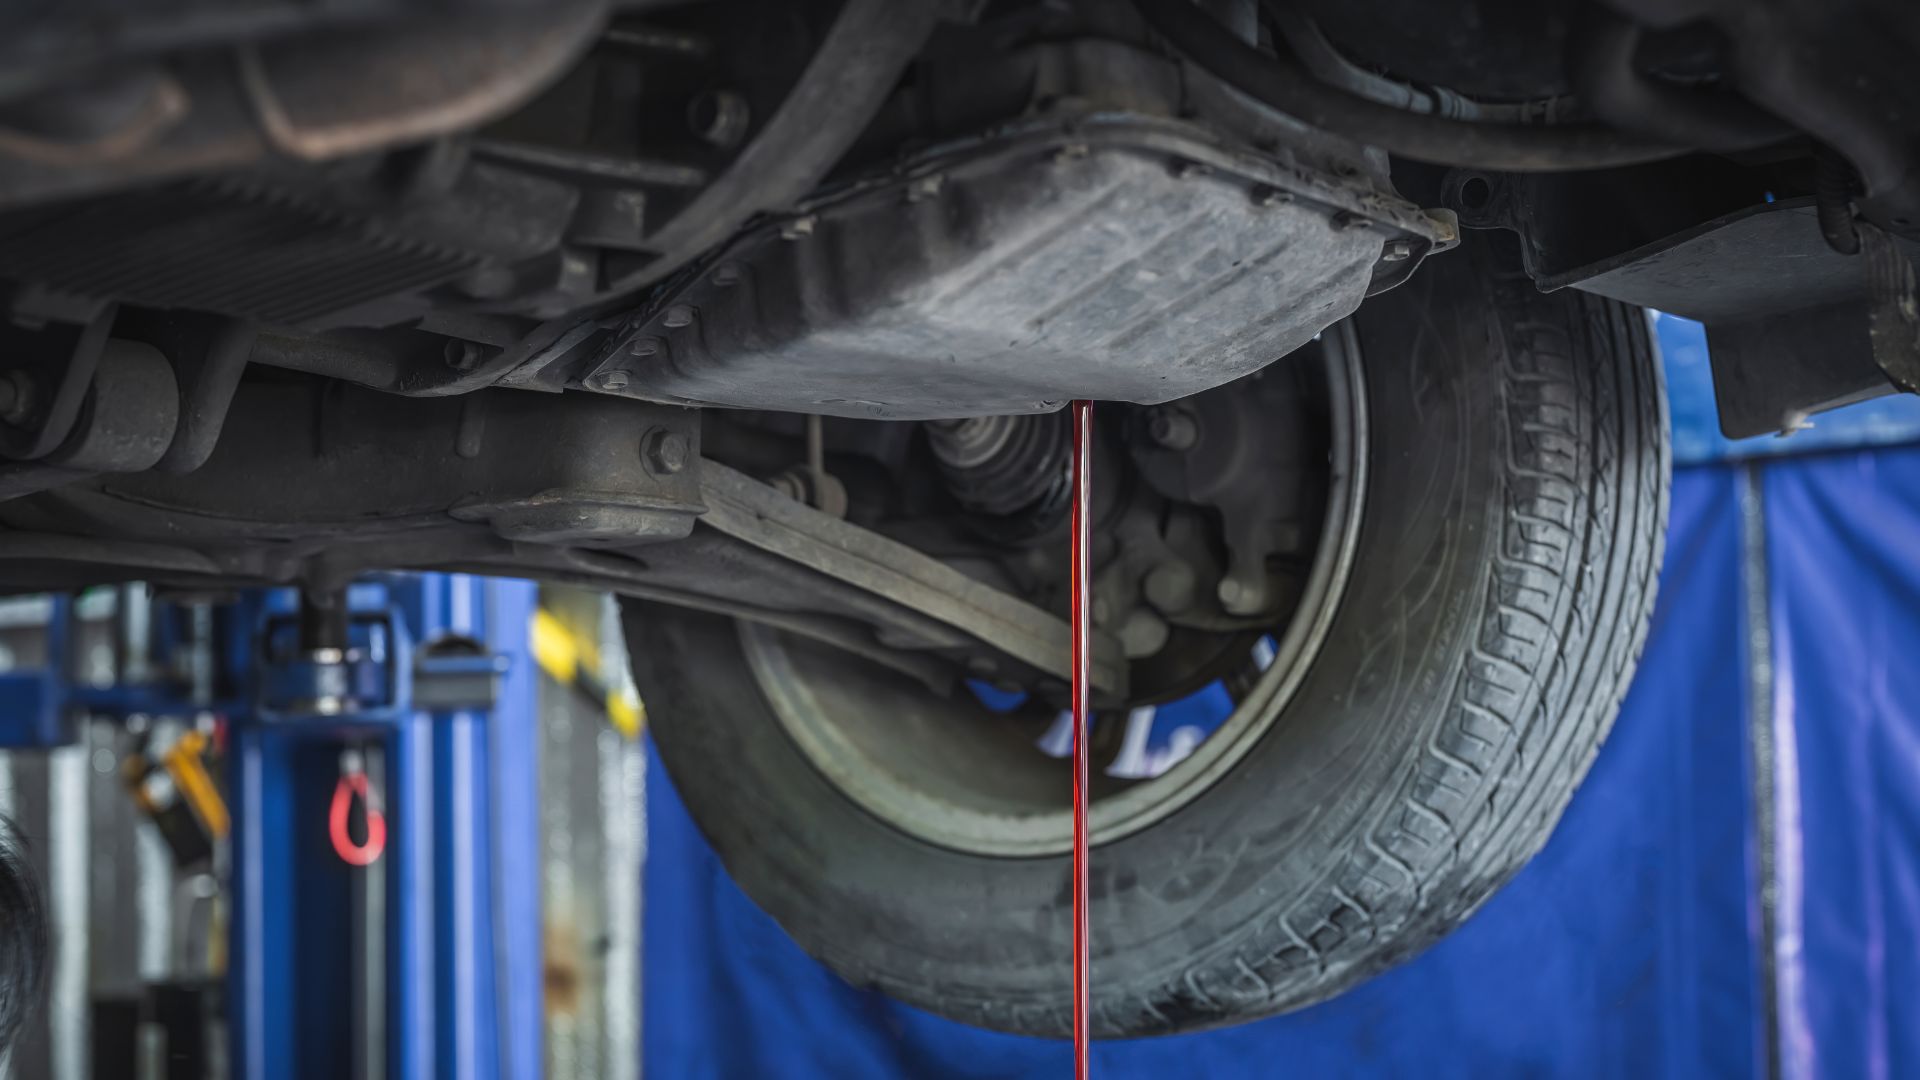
column 1631, row 947
column 1843, row 534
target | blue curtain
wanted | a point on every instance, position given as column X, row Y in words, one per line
column 1843, row 556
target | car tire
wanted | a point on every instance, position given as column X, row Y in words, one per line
column 1510, row 533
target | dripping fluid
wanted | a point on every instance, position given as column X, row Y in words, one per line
column 1082, row 614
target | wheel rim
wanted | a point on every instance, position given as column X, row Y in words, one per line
column 944, row 771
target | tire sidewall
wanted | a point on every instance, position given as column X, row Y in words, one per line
column 1222, row 910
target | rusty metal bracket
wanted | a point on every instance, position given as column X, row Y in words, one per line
column 759, row 516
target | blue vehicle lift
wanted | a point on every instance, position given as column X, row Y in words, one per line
column 426, row 960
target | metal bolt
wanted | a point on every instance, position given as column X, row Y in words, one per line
column 1169, row 587
column 1143, row 633
column 791, row 483
column 1173, row 429
column 798, row 228
column 16, row 396
column 719, row 117
column 645, row 346
column 1266, row 195
column 925, row 188
column 464, row 356
column 726, row 275
column 1241, row 597
column 664, row 452
column 677, row 316
column 612, row 380
column 1396, row 250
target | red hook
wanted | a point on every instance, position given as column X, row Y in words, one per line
column 351, row 784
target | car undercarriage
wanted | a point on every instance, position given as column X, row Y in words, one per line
column 765, row 312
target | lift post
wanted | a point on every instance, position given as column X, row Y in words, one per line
column 426, row 960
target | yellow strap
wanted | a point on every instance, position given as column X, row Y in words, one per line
column 564, row 654
column 184, row 763
column 626, row 713
column 554, row 648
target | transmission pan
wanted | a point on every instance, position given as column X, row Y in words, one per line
column 1124, row 259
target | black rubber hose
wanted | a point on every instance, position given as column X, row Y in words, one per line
column 1601, row 62
column 1297, row 93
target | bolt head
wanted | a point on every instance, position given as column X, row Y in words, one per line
column 719, row 117
column 925, row 188
column 1173, row 428
column 664, row 452
column 1266, row 195
column 16, row 396
column 463, row 356
column 613, row 380
column 1170, row 587
column 1240, row 597
column 1142, row 633
column 677, row 316
column 1396, row 250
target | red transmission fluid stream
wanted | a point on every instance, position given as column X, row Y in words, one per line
column 1082, row 651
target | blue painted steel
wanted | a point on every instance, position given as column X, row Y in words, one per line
column 260, row 973
column 463, row 980
column 34, row 703
column 514, row 735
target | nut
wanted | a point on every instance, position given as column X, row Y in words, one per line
column 677, row 316
column 719, row 117
column 1396, row 250
column 1173, row 428
column 664, row 452
column 16, row 396
column 611, row 380
column 1143, row 633
column 464, row 356
column 925, row 188
column 1266, row 195
column 1241, row 597
column 1170, row 587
